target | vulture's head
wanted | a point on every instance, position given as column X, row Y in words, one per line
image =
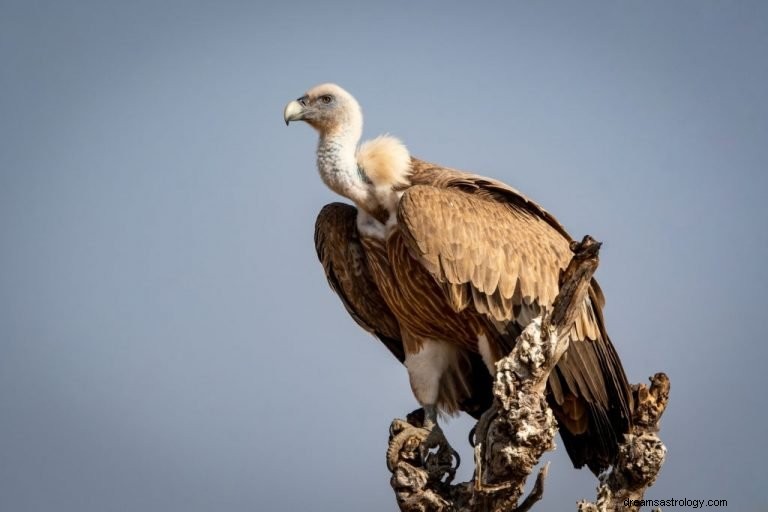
column 328, row 108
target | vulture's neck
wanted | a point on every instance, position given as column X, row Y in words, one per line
column 337, row 163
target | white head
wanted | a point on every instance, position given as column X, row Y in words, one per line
column 329, row 109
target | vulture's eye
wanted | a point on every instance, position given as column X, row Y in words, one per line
column 326, row 99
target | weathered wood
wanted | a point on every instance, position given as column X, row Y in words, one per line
column 513, row 434
column 640, row 456
column 574, row 284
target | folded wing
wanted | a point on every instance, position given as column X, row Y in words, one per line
column 494, row 250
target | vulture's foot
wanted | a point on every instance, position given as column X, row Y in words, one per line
column 438, row 456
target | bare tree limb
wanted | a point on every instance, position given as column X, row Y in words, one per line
column 641, row 455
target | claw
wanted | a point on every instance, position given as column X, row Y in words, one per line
column 471, row 437
column 439, row 457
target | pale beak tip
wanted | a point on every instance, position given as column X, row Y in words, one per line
column 293, row 112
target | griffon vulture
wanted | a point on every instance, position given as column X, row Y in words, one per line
column 446, row 268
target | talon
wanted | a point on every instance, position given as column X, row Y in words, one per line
column 440, row 459
column 457, row 457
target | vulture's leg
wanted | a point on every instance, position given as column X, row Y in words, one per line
column 430, row 416
column 426, row 366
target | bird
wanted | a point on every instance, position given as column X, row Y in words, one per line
column 447, row 268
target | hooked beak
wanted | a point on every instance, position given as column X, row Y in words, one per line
column 294, row 111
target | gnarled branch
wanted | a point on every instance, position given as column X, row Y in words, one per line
column 641, row 455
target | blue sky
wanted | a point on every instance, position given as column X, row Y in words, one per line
column 167, row 338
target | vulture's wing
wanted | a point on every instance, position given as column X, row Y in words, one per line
column 496, row 251
column 341, row 253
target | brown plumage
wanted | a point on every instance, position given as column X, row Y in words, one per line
column 348, row 270
column 447, row 268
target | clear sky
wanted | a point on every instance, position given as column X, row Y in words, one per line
column 167, row 338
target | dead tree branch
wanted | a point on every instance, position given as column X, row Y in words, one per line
column 519, row 427
column 641, row 455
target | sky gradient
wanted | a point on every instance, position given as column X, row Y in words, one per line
column 168, row 341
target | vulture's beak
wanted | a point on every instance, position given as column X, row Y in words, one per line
column 294, row 111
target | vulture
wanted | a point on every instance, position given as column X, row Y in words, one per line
column 447, row 268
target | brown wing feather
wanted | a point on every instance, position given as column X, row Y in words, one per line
column 339, row 249
column 494, row 250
